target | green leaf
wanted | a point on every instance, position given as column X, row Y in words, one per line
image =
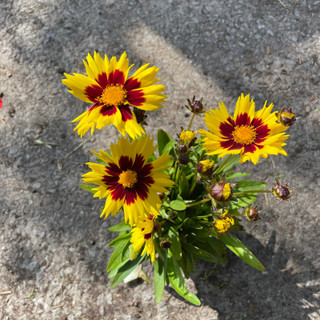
column 117, row 256
column 88, row 188
column 121, row 227
column 183, row 185
column 178, row 205
column 248, row 185
column 233, row 175
column 177, row 281
column 216, row 245
column 173, row 234
column 202, row 254
column 114, row 242
column 236, row 246
column 159, row 278
column 168, row 147
column 163, row 139
column 125, row 270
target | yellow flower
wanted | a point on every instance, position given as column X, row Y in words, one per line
column 252, row 134
column 112, row 92
column 141, row 235
column 128, row 180
column 223, row 224
column 187, row 136
column 206, row 164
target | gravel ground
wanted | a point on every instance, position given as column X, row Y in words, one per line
column 53, row 243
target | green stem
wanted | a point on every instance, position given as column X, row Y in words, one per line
column 191, row 120
column 193, row 185
column 196, row 203
column 250, row 192
column 227, row 163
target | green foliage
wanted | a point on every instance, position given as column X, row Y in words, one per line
column 186, row 224
column 177, row 281
column 236, row 246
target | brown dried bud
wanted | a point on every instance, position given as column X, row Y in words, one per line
column 165, row 244
column 282, row 192
column 156, row 226
column 140, row 115
column 221, row 191
column 183, row 158
column 286, row 117
column 195, row 106
column 252, row 214
column 182, row 148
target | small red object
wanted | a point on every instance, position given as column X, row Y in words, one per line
column 0, row 103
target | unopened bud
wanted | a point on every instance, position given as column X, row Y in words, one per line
column 286, row 117
column 252, row 214
column 140, row 115
column 183, row 158
column 165, row 244
column 205, row 167
column 182, row 148
column 195, row 106
column 282, row 192
column 221, row 191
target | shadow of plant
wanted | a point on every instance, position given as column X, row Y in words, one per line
column 239, row 292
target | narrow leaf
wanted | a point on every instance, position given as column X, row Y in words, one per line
column 236, row 246
column 177, row 281
column 125, row 270
column 87, row 188
column 163, row 139
column 175, row 240
column 159, row 278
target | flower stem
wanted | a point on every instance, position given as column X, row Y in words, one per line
column 250, row 192
column 198, row 202
column 190, row 123
column 227, row 163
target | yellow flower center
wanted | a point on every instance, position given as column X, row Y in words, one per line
column 113, row 95
column 128, row 178
column 244, row 134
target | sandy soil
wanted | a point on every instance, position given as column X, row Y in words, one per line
column 53, row 243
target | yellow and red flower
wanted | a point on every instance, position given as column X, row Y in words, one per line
column 142, row 234
column 252, row 134
column 127, row 180
column 108, row 86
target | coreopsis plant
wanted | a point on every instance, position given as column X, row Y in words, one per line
column 181, row 199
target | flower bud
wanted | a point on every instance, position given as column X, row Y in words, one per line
column 140, row 115
column 186, row 136
column 172, row 214
column 205, row 167
column 195, row 106
column 286, row 117
column 223, row 224
column 183, row 158
column 182, row 148
column 252, row 214
column 282, row 192
column 221, row 191
column 165, row 243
